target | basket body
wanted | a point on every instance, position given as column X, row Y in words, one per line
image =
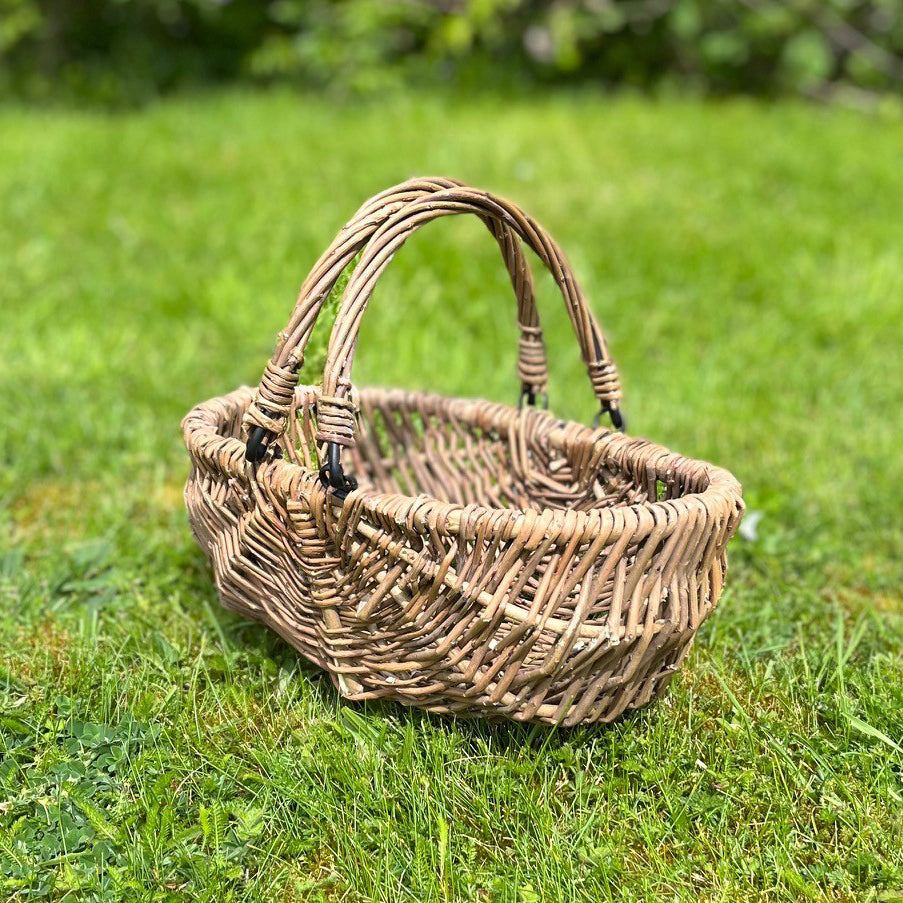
column 494, row 561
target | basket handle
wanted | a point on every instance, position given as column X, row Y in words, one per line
column 335, row 408
column 266, row 415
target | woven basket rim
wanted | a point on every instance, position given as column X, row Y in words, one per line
column 723, row 491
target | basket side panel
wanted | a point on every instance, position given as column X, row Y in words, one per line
column 475, row 624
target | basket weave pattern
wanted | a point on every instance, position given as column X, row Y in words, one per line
column 492, row 560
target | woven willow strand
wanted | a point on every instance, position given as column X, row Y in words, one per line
column 494, row 561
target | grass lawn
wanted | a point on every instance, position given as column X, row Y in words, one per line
column 746, row 262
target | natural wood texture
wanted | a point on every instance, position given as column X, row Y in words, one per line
column 493, row 560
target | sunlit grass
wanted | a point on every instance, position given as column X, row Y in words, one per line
column 746, row 263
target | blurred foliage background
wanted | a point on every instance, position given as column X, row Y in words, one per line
column 128, row 51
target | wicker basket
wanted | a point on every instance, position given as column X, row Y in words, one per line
column 488, row 560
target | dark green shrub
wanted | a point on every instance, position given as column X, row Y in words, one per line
column 130, row 49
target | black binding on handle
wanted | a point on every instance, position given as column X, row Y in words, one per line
column 331, row 474
column 529, row 397
column 258, row 442
column 618, row 420
column 258, row 445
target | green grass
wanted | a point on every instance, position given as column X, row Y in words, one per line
column 746, row 262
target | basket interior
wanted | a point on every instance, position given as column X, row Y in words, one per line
column 470, row 452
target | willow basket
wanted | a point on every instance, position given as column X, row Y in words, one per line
column 484, row 559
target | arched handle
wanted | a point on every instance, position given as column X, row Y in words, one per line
column 335, row 409
column 266, row 415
